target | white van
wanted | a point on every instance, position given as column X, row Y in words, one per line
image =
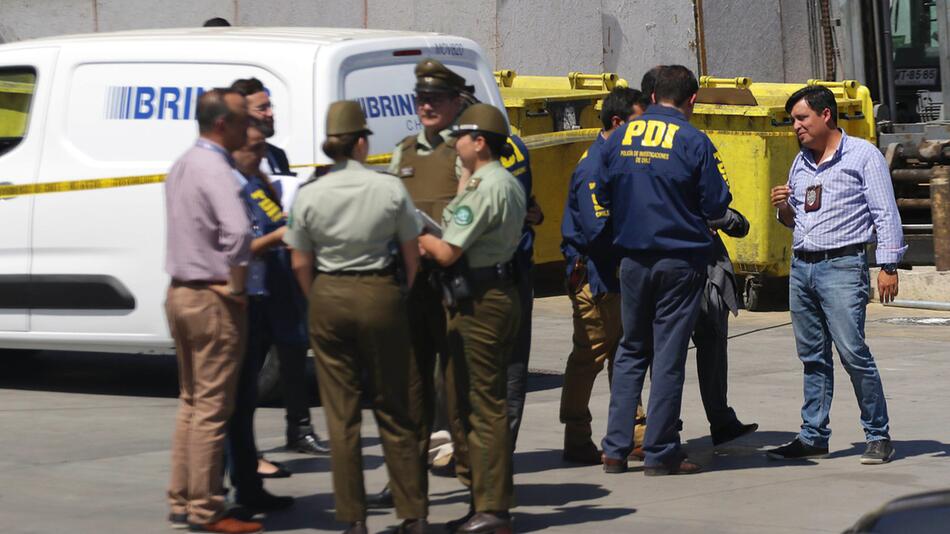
column 82, row 255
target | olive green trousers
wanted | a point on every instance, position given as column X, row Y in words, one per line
column 481, row 335
column 358, row 329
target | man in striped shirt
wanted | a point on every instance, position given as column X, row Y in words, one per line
column 838, row 198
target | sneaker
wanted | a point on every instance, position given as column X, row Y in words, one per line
column 179, row 521
column 440, row 437
column 878, row 452
column 441, row 455
column 228, row 525
column 796, row 450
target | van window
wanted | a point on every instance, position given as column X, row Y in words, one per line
column 385, row 92
column 16, row 95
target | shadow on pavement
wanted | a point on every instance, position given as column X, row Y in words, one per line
column 541, row 460
column 744, row 453
column 98, row 373
column 309, row 512
column 568, row 515
column 902, row 449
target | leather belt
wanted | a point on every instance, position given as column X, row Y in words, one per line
column 197, row 283
column 822, row 255
column 385, row 271
column 500, row 272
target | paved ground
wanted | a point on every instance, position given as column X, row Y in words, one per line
column 85, row 444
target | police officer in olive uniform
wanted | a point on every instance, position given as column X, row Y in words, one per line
column 429, row 168
column 344, row 223
column 482, row 229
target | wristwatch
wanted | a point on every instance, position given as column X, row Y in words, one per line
column 889, row 268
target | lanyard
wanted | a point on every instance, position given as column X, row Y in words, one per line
column 208, row 145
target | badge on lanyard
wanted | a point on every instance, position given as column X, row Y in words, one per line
column 813, row 198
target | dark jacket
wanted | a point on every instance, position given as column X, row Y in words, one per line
column 719, row 271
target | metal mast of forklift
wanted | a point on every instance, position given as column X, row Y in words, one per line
column 943, row 25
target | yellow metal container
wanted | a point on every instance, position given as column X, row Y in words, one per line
column 749, row 126
column 16, row 91
column 557, row 117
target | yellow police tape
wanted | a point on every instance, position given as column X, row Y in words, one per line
column 9, row 191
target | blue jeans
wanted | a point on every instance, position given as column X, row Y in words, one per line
column 660, row 297
column 828, row 301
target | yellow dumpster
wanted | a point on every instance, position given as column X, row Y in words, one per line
column 748, row 124
column 557, row 117
column 16, row 91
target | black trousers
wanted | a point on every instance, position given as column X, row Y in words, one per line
column 518, row 364
column 711, row 337
column 292, row 361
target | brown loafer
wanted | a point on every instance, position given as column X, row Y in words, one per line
column 637, row 454
column 614, row 466
column 685, row 467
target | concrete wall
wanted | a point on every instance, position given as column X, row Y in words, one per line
column 767, row 40
column 758, row 38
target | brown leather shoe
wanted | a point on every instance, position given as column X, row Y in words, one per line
column 637, row 454
column 413, row 526
column 614, row 466
column 587, row 455
column 685, row 467
column 485, row 522
column 228, row 525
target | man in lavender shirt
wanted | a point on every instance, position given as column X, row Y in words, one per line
column 207, row 252
column 839, row 197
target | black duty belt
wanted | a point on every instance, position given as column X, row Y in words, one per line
column 385, row 271
column 822, row 255
column 501, row 272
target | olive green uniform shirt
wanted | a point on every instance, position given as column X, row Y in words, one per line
column 424, row 148
column 485, row 219
column 349, row 217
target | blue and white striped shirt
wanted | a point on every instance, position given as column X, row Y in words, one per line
column 857, row 199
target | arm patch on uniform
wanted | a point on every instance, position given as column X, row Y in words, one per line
column 463, row 216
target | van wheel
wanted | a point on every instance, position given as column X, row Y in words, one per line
column 752, row 294
column 268, row 380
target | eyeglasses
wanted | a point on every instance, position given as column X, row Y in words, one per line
column 431, row 98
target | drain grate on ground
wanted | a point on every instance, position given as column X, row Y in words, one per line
column 921, row 321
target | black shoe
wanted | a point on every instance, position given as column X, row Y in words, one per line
column 309, row 444
column 356, row 527
column 454, row 524
column 383, row 499
column 483, row 522
column 178, row 520
column 734, row 431
column 796, row 450
column 265, row 502
column 413, row 526
column 586, row 454
column 281, row 472
column 878, row 452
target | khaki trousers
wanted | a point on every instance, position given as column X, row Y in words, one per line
column 209, row 333
column 359, row 328
column 597, row 332
column 481, row 336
